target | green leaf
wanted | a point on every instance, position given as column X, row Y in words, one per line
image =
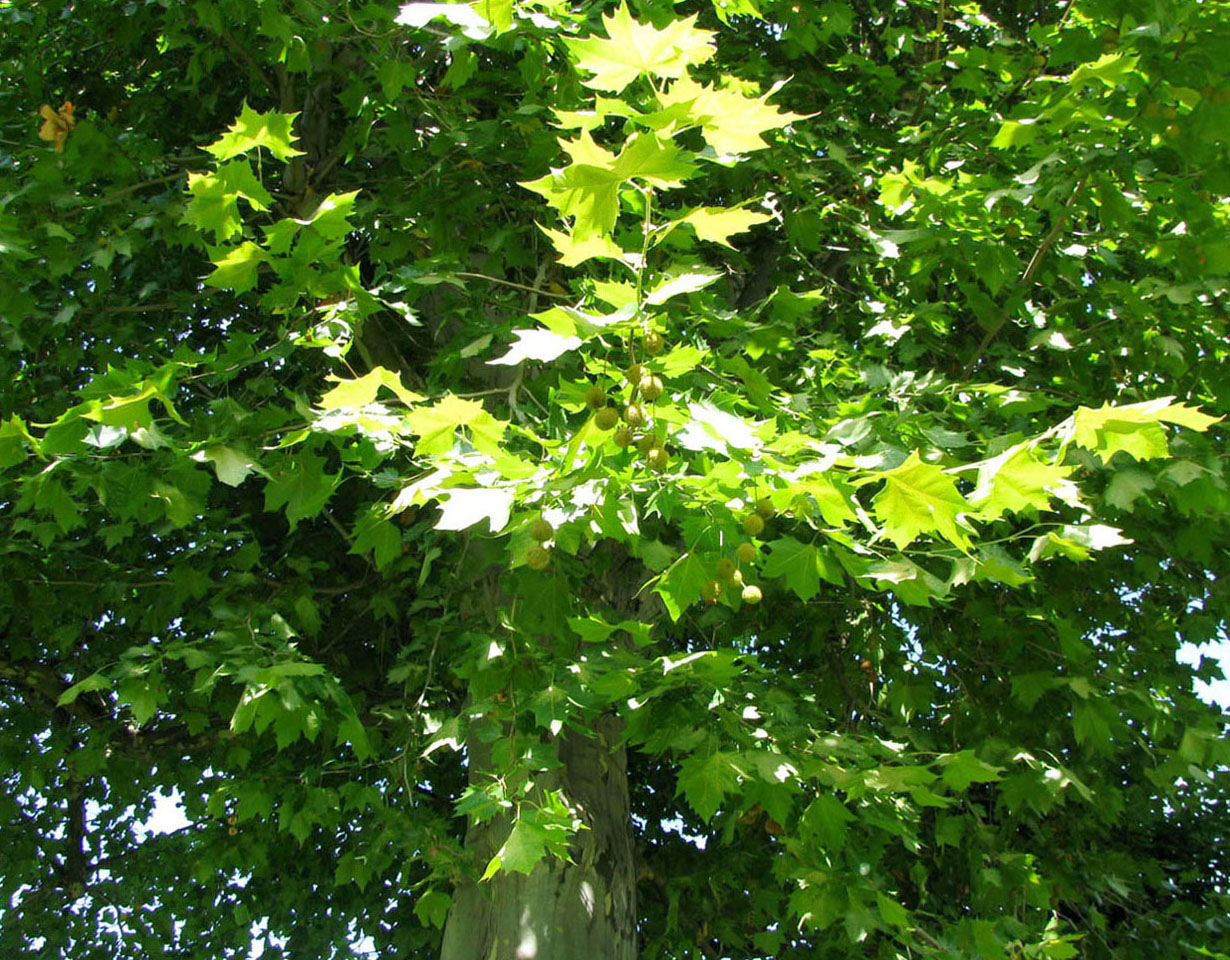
column 362, row 391
column 1133, row 428
column 705, row 780
column 461, row 508
column 95, row 681
column 631, row 50
column 521, row 852
column 573, row 250
column 141, row 696
column 1015, row 133
column 920, row 498
column 1077, row 541
column 710, row 428
column 236, row 268
column 331, row 218
column 826, row 819
column 673, row 286
column 1127, row 486
column 376, row 534
column 593, row 629
column 731, row 122
column 1110, row 69
column 252, row 130
column 231, row 466
column 681, row 584
column 894, row 914
column 540, row 345
column 1017, row 481
column 14, row 438
column 800, row 564
column 588, row 189
column 301, row 486
column 432, row 908
column 718, row 224
column 437, row 425
column 959, row 770
column 215, row 199
column 54, row 499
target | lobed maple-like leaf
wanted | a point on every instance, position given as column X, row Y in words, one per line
column 719, row 224
column 588, row 189
column 920, row 498
column 271, row 130
column 1016, row 481
column 632, row 49
column 731, row 122
column 1134, row 428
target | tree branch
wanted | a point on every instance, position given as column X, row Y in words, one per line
column 1027, row 277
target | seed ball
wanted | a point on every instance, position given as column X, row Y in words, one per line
column 606, row 418
column 654, row 344
column 541, row 530
column 725, row 567
column 1172, row 131
column 746, row 553
column 651, row 387
column 658, row 459
column 711, row 590
column 634, row 373
column 537, row 558
column 801, row 507
column 752, row 594
column 595, row 397
column 735, row 580
column 764, row 507
column 646, row 443
column 624, row 437
column 753, row 524
column 634, row 415
column 232, row 831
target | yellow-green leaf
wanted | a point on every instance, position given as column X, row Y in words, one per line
column 632, row 49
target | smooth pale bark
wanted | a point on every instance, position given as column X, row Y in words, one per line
column 585, row 910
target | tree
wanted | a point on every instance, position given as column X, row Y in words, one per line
column 553, row 479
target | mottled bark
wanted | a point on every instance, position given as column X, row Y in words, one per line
column 585, row 910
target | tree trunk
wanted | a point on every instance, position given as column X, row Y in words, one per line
column 585, row 910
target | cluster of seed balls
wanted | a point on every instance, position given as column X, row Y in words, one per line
column 648, row 386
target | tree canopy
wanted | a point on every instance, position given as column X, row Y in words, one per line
column 661, row 479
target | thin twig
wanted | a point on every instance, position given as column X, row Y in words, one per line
column 1027, row 277
column 516, row 286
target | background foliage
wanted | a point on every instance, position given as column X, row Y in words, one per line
column 277, row 424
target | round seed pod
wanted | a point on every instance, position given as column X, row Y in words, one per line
column 634, row 415
column 651, row 387
column 595, row 397
column 537, row 558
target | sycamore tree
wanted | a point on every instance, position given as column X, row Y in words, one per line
column 556, row 478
